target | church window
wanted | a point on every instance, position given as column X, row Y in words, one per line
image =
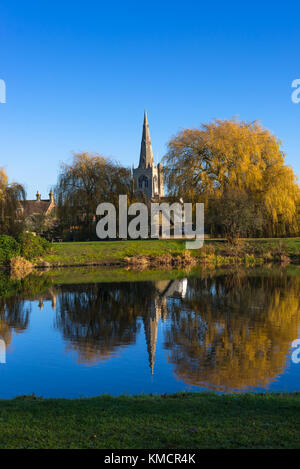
column 143, row 182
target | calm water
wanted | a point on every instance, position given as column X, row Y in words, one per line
column 225, row 332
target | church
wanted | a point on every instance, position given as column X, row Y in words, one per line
column 148, row 178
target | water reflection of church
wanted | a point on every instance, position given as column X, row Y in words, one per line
column 50, row 295
column 224, row 332
column 158, row 310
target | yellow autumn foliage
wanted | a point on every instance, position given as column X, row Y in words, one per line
column 223, row 156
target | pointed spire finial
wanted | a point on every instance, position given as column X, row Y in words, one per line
column 146, row 155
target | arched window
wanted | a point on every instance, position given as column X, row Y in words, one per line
column 143, row 182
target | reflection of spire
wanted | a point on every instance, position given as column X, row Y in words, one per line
column 151, row 326
column 164, row 289
column 41, row 303
column 182, row 287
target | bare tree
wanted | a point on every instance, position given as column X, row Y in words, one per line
column 88, row 181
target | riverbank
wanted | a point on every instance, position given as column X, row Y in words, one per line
column 40, row 280
column 187, row 420
column 156, row 253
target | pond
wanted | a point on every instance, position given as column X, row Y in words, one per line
column 75, row 334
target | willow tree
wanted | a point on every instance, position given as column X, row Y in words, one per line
column 11, row 214
column 85, row 183
column 229, row 157
column 236, row 331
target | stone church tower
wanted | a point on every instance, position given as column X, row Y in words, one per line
column 148, row 178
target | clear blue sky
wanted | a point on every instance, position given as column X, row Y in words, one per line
column 80, row 73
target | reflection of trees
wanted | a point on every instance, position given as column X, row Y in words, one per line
column 13, row 294
column 13, row 315
column 223, row 331
column 234, row 331
column 98, row 319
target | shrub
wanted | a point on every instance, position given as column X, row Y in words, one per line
column 19, row 267
column 9, row 248
column 32, row 246
column 279, row 249
column 234, row 248
column 207, row 250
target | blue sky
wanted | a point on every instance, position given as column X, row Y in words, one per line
column 79, row 75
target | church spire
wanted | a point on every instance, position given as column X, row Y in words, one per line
column 146, row 155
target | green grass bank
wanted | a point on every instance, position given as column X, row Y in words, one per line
column 188, row 421
column 218, row 252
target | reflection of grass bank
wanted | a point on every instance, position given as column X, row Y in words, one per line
column 178, row 421
column 29, row 286
column 35, row 284
column 81, row 275
column 217, row 252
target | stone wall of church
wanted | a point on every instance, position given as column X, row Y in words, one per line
column 149, row 181
column 143, row 180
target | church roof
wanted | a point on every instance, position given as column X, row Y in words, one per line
column 36, row 207
column 146, row 155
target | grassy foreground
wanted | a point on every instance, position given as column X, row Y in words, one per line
column 113, row 252
column 177, row 421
